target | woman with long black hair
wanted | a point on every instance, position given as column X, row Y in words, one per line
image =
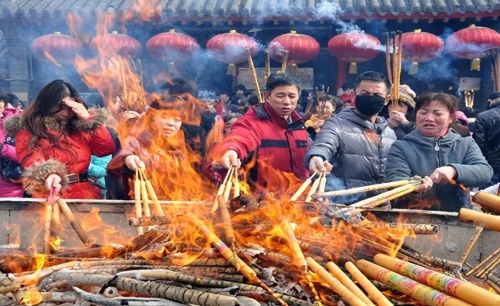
column 55, row 137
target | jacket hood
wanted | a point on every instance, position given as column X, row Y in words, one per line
column 350, row 115
column 429, row 142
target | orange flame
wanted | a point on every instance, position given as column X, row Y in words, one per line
column 144, row 10
column 32, row 297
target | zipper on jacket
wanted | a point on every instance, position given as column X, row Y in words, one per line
column 438, row 160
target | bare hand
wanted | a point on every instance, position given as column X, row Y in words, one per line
column 399, row 117
column 77, row 108
column 317, row 163
column 318, row 124
column 443, row 175
column 53, row 181
column 425, row 185
column 133, row 162
column 230, row 158
column 392, row 123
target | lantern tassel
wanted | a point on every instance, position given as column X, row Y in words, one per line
column 475, row 64
column 231, row 70
column 413, row 68
column 353, row 68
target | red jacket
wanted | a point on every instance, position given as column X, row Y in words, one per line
column 73, row 157
column 266, row 134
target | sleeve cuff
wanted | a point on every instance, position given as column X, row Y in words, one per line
column 35, row 175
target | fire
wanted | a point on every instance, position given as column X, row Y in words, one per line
column 144, row 10
column 32, row 297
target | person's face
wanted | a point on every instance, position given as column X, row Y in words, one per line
column 224, row 98
column 62, row 112
column 370, row 88
column 401, row 107
column 168, row 125
column 283, row 99
column 326, row 109
column 433, row 120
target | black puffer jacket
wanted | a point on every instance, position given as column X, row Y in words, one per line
column 487, row 135
column 418, row 155
column 358, row 147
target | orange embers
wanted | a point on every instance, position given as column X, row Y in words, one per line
column 32, row 297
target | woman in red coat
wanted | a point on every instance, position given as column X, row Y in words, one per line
column 55, row 138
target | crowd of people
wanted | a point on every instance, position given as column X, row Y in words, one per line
column 59, row 145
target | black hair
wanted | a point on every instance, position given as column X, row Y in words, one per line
column 372, row 76
column 449, row 101
column 279, row 79
column 347, row 85
column 178, row 86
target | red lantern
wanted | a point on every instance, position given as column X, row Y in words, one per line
column 231, row 48
column 172, row 46
column 301, row 48
column 472, row 43
column 419, row 47
column 56, row 47
column 116, row 44
column 353, row 48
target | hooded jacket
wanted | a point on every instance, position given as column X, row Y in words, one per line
column 357, row 148
column 418, row 155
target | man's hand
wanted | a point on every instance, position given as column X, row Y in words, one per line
column 316, row 163
column 53, row 181
column 78, row 108
column 444, row 174
column 425, row 185
column 230, row 158
column 318, row 124
column 399, row 117
column 133, row 162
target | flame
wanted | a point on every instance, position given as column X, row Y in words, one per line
column 48, row 56
column 55, row 243
column 144, row 10
column 32, row 297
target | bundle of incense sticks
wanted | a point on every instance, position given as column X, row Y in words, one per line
column 144, row 192
column 463, row 290
column 394, row 59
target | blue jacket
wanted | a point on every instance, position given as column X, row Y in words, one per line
column 416, row 154
column 98, row 169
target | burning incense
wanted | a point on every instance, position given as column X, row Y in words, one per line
column 488, row 201
column 480, row 219
column 46, row 233
column 221, row 190
column 303, row 187
column 364, row 188
column 82, row 234
column 314, row 187
column 226, row 223
column 149, row 221
column 254, row 76
column 322, row 183
column 470, row 245
column 233, row 258
column 374, row 294
column 284, row 65
column 334, row 284
column 463, row 290
column 236, row 183
column 137, row 198
column 158, row 211
column 386, row 196
column 298, row 256
column 55, row 227
column 418, row 229
column 144, row 195
column 267, row 66
column 347, row 282
column 423, row 294
column 490, row 267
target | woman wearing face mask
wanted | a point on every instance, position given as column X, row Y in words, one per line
column 55, row 137
column 158, row 144
column 446, row 161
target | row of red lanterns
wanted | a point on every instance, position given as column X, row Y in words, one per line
column 233, row 47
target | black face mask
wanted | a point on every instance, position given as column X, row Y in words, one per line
column 369, row 105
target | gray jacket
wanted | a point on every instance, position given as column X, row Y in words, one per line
column 416, row 154
column 357, row 148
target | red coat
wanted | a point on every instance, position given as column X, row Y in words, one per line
column 275, row 142
column 73, row 157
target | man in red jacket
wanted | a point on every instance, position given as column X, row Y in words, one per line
column 273, row 132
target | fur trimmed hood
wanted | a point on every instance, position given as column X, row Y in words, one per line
column 98, row 117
